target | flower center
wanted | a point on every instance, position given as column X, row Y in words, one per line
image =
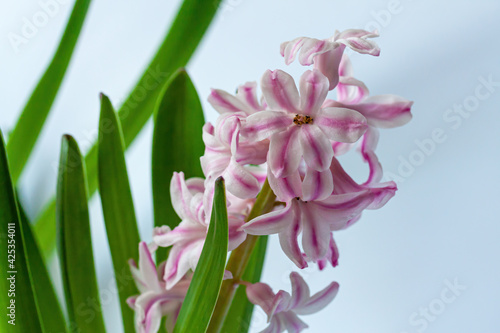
column 300, row 120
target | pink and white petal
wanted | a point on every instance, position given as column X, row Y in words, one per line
column 288, row 238
column 180, row 195
column 300, row 290
column 292, row 323
column 262, row 295
column 343, row 183
column 333, row 252
column 317, row 185
column 224, row 102
column 311, row 48
column 319, row 300
column 351, row 90
column 147, row 268
column 186, row 231
column 248, row 94
column 341, row 124
column 195, row 185
column 152, row 322
column 280, row 91
column 313, row 90
column 386, row 111
column 275, row 326
column 286, row 188
column 289, row 50
column 381, row 194
column 236, row 235
column 368, row 145
column 315, row 232
column 240, row 182
column 361, row 45
column 338, row 209
column 340, row 148
column 316, row 148
column 179, row 262
column 345, row 67
column 285, row 152
column 328, row 64
column 263, row 124
column 227, row 126
column 271, row 223
column 356, row 33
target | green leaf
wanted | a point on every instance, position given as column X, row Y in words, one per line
column 177, row 145
column 176, row 50
column 117, row 206
column 240, row 313
column 17, row 299
column 30, row 124
column 49, row 309
column 204, row 289
column 74, row 242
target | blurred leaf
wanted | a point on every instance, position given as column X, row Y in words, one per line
column 74, row 242
column 177, row 145
column 16, row 295
column 117, row 206
column 240, row 313
column 204, row 289
column 24, row 136
column 49, row 309
column 189, row 26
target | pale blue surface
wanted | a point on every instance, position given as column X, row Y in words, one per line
column 442, row 225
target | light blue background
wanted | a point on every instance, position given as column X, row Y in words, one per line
column 443, row 224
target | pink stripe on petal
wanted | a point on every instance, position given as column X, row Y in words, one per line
column 341, row 124
column 313, row 90
column 386, row 111
column 285, row 152
column 270, row 223
column 263, row 124
column 286, row 188
column 280, row 91
column 315, row 234
column 300, row 290
column 240, row 182
column 288, row 238
column 316, row 148
column 317, row 185
column 224, row 102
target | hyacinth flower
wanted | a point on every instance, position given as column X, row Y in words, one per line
column 187, row 239
column 315, row 210
column 297, row 125
column 326, row 54
column 154, row 300
column 283, row 309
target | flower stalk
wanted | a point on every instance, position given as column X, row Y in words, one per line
column 238, row 260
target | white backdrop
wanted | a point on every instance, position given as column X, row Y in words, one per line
column 428, row 261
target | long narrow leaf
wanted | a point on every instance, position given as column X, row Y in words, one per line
column 204, row 289
column 117, row 206
column 240, row 313
column 17, row 299
column 25, row 134
column 177, row 145
column 49, row 309
column 75, row 244
column 186, row 32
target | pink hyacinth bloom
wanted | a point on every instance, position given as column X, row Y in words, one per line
column 283, row 309
column 297, row 125
column 326, row 54
column 187, row 239
column 154, row 300
column 227, row 155
column 315, row 207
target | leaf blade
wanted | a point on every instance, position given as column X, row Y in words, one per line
column 15, row 288
column 177, row 145
column 207, row 279
column 74, row 240
column 117, row 206
column 30, row 123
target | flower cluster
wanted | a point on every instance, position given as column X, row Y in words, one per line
column 291, row 136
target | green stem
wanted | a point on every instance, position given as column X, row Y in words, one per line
column 238, row 260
